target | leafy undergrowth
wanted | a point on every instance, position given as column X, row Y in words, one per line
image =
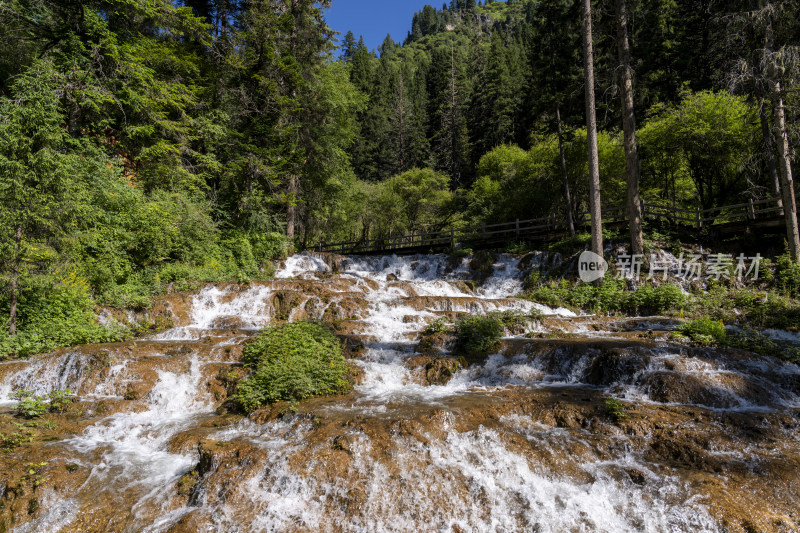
column 63, row 317
column 708, row 331
column 37, row 417
column 57, row 306
column 773, row 302
column 292, row 362
column 612, row 296
column 705, row 330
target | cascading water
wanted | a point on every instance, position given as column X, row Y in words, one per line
column 517, row 442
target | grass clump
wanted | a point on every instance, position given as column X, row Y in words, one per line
column 787, row 275
column 433, row 335
column 292, row 362
column 60, row 400
column 9, row 441
column 476, row 335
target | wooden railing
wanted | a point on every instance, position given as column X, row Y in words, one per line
column 698, row 219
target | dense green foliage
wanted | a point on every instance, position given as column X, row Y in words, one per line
column 705, row 330
column 757, row 342
column 292, row 362
column 476, row 335
column 765, row 306
column 610, row 297
column 476, row 91
column 147, row 145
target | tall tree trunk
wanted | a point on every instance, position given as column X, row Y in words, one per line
column 12, row 314
column 629, row 127
column 785, row 155
column 591, row 132
column 291, row 210
column 785, row 164
column 564, row 176
column 769, row 154
column 292, row 186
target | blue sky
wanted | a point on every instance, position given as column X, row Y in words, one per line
column 375, row 18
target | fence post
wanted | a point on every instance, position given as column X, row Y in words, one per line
column 752, row 208
column 699, row 218
column 452, row 237
column 517, row 227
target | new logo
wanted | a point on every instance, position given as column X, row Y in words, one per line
column 591, row 267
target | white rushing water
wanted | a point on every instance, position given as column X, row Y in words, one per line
column 470, row 480
column 473, row 480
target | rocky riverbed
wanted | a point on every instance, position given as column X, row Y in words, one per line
column 518, row 441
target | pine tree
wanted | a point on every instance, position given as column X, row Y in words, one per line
column 555, row 69
column 447, row 96
column 497, row 101
column 35, row 169
column 349, row 46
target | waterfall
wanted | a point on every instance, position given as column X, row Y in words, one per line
column 517, row 441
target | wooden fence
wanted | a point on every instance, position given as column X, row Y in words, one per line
column 551, row 227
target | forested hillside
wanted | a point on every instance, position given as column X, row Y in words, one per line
column 481, row 92
column 145, row 143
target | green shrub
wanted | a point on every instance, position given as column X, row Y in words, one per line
column 571, row 245
column 135, row 293
column 459, row 253
column 705, row 330
column 519, row 248
column 292, row 362
column 615, row 409
column 552, row 293
column 661, row 299
column 439, row 325
column 29, row 405
column 514, row 319
column 60, row 400
column 54, row 313
column 270, row 246
column 476, row 335
column 787, row 275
